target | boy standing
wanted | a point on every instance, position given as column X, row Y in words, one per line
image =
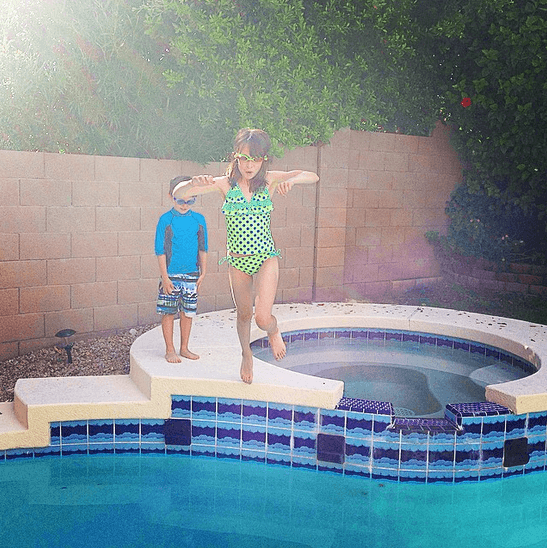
column 181, row 248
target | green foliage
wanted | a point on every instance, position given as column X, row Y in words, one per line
column 298, row 69
column 488, row 227
column 497, row 58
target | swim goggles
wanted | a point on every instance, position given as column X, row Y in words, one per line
column 180, row 201
column 243, row 157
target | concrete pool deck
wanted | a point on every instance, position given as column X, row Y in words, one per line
column 146, row 391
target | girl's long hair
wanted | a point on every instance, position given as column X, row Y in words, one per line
column 259, row 144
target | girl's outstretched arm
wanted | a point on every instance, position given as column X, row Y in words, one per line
column 282, row 181
column 202, row 184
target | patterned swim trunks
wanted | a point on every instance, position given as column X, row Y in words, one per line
column 184, row 297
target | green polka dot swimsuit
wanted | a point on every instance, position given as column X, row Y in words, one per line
column 248, row 229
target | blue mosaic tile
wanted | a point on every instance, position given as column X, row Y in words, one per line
column 22, row 453
column 412, row 457
column 461, row 345
column 467, row 456
column 253, row 437
column 153, row 449
column 204, row 408
column 52, row 451
column 100, row 431
column 278, row 458
column 304, row 444
column 152, row 431
column 229, row 410
column 359, row 334
column 355, row 470
column 302, row 462
column 255, row 456
column 332, row 421
column 74, row 449
column 55, row 433
column 175, row 450
column 429, row 340
column 357, row 452
column 280, row 415
column 381, row 423
column 101, row 448
column 441, row 456
column 412, row 476
column 477, row 349
column 254, row 412
column 330, row 467
column 228, row 453
column 440, row 477
column 181, row 406
column 279, row 441
column 203, row 432
column 126, row 431
column 74, row 432
column 537, row 424
column 385, row 455
column 203, row 451
column 376, row 335
column 493, row 427
column 385, row 474
column 357, row 426
column 342, row 334
column 393, row 335
column 228, row 436
column 127, row 448
column 305, row 418
column 515, row 426
column 444, row 342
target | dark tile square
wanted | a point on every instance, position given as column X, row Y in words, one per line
column 178, row 432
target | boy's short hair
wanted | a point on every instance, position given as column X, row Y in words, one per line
column 175, row 181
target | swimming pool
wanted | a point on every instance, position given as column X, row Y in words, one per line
column 288, row 418
column 210, row 503
column 417, row 373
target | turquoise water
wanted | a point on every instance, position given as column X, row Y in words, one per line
column 419, row 380
column 184, row 502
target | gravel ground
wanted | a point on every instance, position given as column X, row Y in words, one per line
column 108, row 355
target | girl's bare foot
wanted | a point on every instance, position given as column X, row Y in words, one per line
column 278, row 345
column 246, row 370
column 172, row 357
column 189, row 355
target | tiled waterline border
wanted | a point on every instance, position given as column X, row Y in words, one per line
column 475, row 442
column 366, row 443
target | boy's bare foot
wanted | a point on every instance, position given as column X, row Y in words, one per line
column 278, row 345
column 189, row 355
column 172, row 357
column 246, row 370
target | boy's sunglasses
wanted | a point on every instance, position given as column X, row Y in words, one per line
column 244, row 157
column 180, row 201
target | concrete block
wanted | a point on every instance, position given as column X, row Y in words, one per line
column 9, row 302
column 141, row 195
column 15, row 164
column 115, row 317
column 121, row 170
column 384, row 142
column 380, row 180
column 47, row 245
column 44, row 299
column 70, row 219
column 118, row 268
column 95, row 244
column 332, row 217
column 94, row 294
column 14, row 220
column 69, row 167
column 81, row 320
column 70, row 271
column 22, row 274
column 162, row 171
column 136, row 243
column 9, row 190
column 331, row 237
column 45, row 192
column 138, row 291
column 9, row 247
column 93, row 193
column 117, row 219
column 21, row 326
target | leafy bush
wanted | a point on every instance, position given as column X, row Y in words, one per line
column 488, row 227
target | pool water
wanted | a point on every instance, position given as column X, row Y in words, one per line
column 418, row 379
column 173, row 501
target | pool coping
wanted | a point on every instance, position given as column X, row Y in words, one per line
column 146, row 391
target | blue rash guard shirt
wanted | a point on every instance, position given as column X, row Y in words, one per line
column 180, row 238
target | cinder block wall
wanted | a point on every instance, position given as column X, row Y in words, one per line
column 76, row 232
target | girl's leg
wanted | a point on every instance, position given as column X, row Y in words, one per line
column 167, row 323
column 185, row 327
column 266, row 288
column 242, row 293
